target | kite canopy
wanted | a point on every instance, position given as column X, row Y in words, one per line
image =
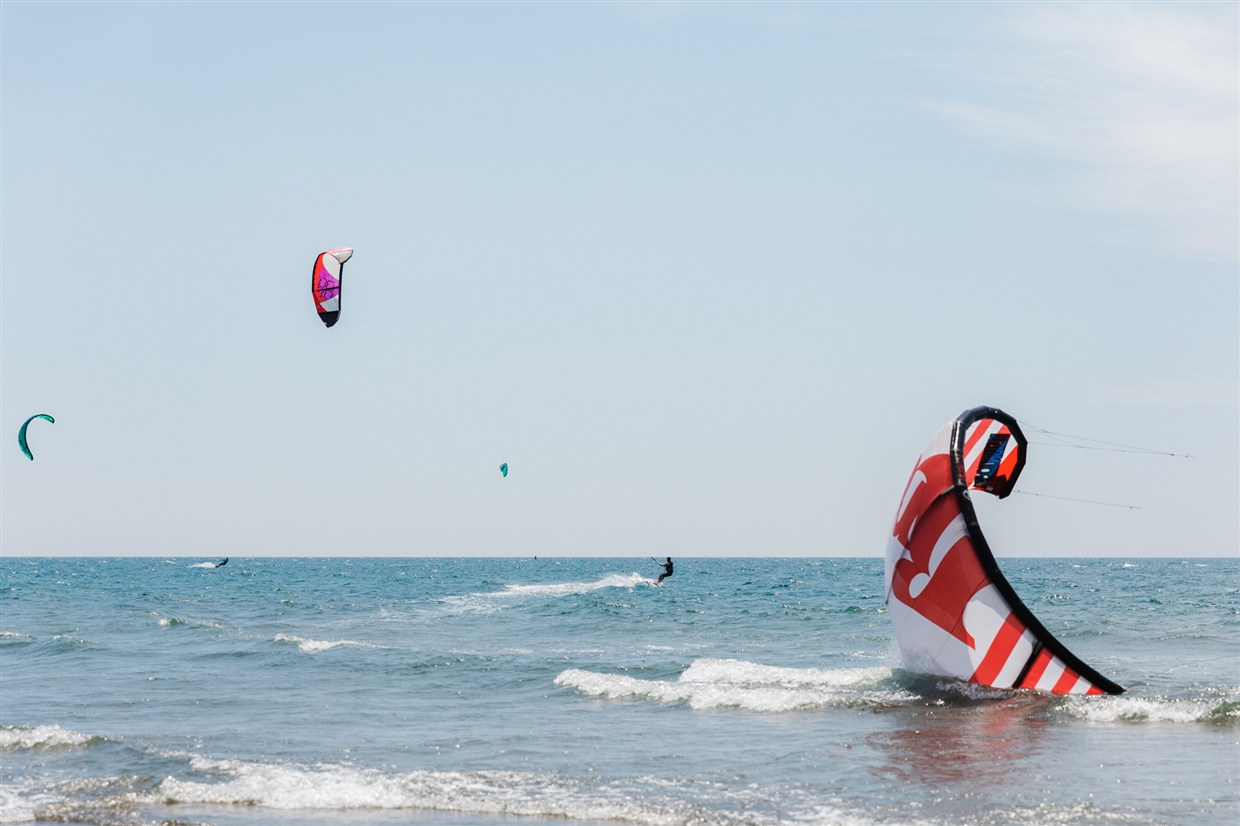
column 325, row 283
column 953, row 611
column 504, row 469
column 21, row 434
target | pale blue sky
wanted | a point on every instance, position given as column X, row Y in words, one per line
column 707, row 276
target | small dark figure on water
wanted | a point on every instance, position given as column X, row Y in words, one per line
column 222, row 564
column 667, row 570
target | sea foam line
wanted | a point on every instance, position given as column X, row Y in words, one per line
column 315, row 646
column 46, row 737
column 1150, row 709
column 336, row 787
column 21, row 798
column 712, row 683
column 645, row 800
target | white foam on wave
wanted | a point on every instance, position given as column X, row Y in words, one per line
column 14, row 635
column 644, row 800
column 46, row 737
column 337, row 787
column 315, row 646
column 20, row 800
column 1109, row 709
column 711, row 683
column 203, row 565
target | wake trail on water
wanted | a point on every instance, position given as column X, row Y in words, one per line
column 567, row 588
column 484, row 602
column 315, row 646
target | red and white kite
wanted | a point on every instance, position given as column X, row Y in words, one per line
column 953, row 611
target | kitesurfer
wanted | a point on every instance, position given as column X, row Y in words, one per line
column 667, row 569
column 222, row 564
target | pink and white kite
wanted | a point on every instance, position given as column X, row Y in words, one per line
column 325, row 283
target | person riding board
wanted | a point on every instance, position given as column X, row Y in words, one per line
column 667, row 569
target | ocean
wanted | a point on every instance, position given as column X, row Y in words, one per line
column 464, row 692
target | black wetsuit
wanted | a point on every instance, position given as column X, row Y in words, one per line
column 667, row 568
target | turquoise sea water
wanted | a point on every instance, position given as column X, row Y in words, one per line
column 481, row 691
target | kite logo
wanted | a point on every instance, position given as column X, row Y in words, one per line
column 992, row 455
column 930, row 479
column 328, row 286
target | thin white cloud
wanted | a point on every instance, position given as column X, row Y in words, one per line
column 1140, row 102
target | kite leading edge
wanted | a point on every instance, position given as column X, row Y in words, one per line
column 325, row 283
column 21, row 434
column 953, row 611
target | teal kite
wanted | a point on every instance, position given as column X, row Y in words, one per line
column 502, row 468
column 21, row 434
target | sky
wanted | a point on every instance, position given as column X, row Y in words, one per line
column 706, row 276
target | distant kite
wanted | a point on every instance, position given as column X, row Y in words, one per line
column 502, row 468
column 21, row 434
column 325, row 283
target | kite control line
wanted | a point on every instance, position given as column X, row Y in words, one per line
column 1068, row 440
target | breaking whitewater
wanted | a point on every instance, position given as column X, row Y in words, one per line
column 764, row 692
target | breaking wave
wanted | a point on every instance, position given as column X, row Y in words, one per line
column 1150, row 709
column 711, row 683
column 42, row 737
column 20, row 802
column 337, row 787
column 315, row 646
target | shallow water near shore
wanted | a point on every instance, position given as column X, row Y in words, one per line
column 455, row 692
